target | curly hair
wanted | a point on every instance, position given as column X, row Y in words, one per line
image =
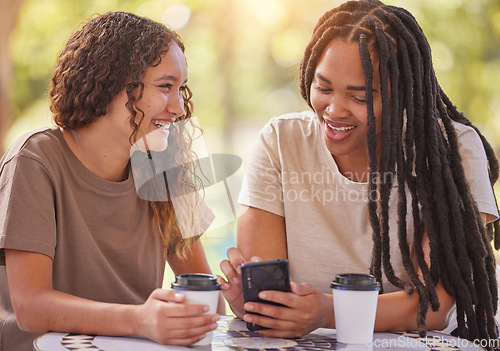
column 419, row 148
column 110, row 53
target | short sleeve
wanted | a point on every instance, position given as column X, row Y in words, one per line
column 475, row 165
column 27, row 210
column 262, row 185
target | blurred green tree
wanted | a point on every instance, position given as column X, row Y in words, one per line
column 243, row 58
column 9, row 10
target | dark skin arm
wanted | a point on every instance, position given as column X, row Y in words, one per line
column 308, row 308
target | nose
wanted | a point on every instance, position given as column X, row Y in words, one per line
column 175, row 105
column 336, row 106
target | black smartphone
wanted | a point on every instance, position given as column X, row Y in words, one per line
column 264, row 275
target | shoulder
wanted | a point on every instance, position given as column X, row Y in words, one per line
column 288, row 126
column 41, row 145
column 463, row 130
column 469, row 141
column 34, row 144
column 475, row 164
column 304, row 118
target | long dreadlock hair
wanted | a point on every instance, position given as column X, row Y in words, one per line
column 419, row 149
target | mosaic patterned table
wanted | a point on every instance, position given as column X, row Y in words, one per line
column 232, row 334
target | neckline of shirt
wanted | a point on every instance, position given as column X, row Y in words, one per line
column 87, row 176
column 330, row 161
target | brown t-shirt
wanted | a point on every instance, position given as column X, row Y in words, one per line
column 97, row 232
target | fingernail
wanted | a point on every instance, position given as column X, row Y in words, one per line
column 247, row 318
column 215, row 318
column 213, row 326
column 238, row 269
column 206, row 308
column 235, row 280
column 178, row 296
column 226, row 286
column 263, row 295
column 201, row 336
column 249, row 307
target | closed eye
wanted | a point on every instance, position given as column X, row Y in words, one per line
column 320, row 89
column 358, row 101
column 166, row 86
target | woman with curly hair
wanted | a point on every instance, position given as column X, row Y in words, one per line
column 80, row 250
column 383, row 176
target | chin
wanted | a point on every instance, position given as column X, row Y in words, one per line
column 157, row 140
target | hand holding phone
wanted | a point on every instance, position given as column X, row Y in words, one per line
column 264, row 275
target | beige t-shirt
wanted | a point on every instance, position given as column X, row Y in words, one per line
column 97, row 232
column 292, row 174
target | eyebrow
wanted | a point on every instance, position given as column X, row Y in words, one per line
column 349, row 87
column 169, row 78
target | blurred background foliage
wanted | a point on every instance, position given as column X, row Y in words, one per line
column 243, row 58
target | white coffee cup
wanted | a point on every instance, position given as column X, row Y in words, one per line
column 199, row 289
column 355, row 299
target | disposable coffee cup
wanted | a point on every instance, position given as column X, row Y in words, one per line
column 355, row 299
column 199, row 289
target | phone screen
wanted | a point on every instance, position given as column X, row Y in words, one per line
column 264, row 275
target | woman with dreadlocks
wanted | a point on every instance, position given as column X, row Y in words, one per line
column 385, row 177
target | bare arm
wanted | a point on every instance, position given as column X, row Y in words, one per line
column 262, row 234
column 195, row 262
column 397, row 311
column 39, row 308
column 255, row 227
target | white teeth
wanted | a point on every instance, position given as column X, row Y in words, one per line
column 340, row 129
column 161, row 124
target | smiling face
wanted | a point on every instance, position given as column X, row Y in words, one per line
column 338, row 96
column 162, row 101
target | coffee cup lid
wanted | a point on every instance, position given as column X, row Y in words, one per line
column 355, row 281
column 196, row 282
